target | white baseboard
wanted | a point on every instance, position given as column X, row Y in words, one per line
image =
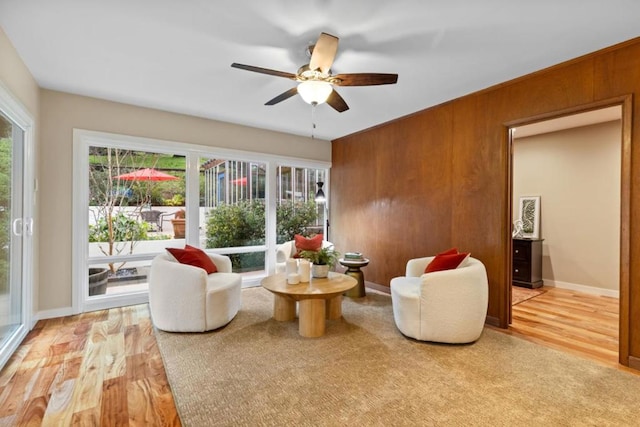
column 614, row 293
column 53, row 313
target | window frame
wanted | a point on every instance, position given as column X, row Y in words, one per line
column 83, row 139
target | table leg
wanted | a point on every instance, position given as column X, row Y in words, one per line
column 284, row 309
column 334, row 308
column 312, row 313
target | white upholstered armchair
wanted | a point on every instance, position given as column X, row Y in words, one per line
column 447, row 306
column 183, row 298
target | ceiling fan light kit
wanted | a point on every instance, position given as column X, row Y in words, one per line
column 315, row 92
column 315, row 81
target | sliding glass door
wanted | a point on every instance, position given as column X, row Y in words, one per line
column 14, row 229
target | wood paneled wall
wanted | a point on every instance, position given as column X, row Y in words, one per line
column 441, row 177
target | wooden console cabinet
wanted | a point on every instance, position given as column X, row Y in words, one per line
column 527, row 263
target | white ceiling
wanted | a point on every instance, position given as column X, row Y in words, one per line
column 176, row 55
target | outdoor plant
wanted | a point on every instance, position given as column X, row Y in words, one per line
column 176, row 200
column 5, row 196
column 293, row 218
column 240, row 224
column 323, row 256
column 243, row 224
column 120, row 234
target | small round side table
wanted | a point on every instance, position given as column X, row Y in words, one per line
column 353, row 270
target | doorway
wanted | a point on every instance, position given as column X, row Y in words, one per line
column 566, row 227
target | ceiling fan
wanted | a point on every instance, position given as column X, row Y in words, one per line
column 315, row 79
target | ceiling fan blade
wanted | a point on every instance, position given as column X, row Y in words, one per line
column 324, row 52
column 364, row 79
column 336, row 102
column 264, row 71
column 284, row 95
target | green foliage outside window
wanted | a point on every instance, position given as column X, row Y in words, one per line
column 294, row 218
column 5, row 212
column 119, row 235
column 240, row 224
column 243, row 224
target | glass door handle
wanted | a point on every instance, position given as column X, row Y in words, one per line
column 29, row 226
column 16, row 225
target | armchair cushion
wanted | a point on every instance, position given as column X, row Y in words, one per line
column 196, row 257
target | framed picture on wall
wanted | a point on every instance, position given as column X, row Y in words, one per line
column 530, row 216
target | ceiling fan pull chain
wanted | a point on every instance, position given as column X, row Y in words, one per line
column 313, row 119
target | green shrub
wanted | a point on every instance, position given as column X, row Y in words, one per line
column 293, row 218
column 176, row 200
column 124, row 234
column 243, row 224
column 125, row 229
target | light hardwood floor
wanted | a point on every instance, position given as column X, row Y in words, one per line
column 104, row 368
column 99, row 368
column 582, row 324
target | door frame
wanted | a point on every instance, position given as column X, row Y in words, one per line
column 626, row 103
column 19, row 114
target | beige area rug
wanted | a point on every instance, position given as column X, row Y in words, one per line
column 256, row 371
column 519, row 294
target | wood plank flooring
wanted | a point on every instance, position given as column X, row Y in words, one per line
column 582, row 324
column 98, row 368
column 104, row 368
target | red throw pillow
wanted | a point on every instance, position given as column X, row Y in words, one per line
column 307, row 244
column 445, row 262
column 191, row 255
column 449, row 251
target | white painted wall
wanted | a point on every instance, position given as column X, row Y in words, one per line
column 576, row 172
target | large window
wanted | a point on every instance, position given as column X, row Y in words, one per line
column 134, row 197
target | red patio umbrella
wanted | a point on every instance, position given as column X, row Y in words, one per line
column 239, row 181
column 147, row 174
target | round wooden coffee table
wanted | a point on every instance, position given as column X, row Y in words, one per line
column 318, row 299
